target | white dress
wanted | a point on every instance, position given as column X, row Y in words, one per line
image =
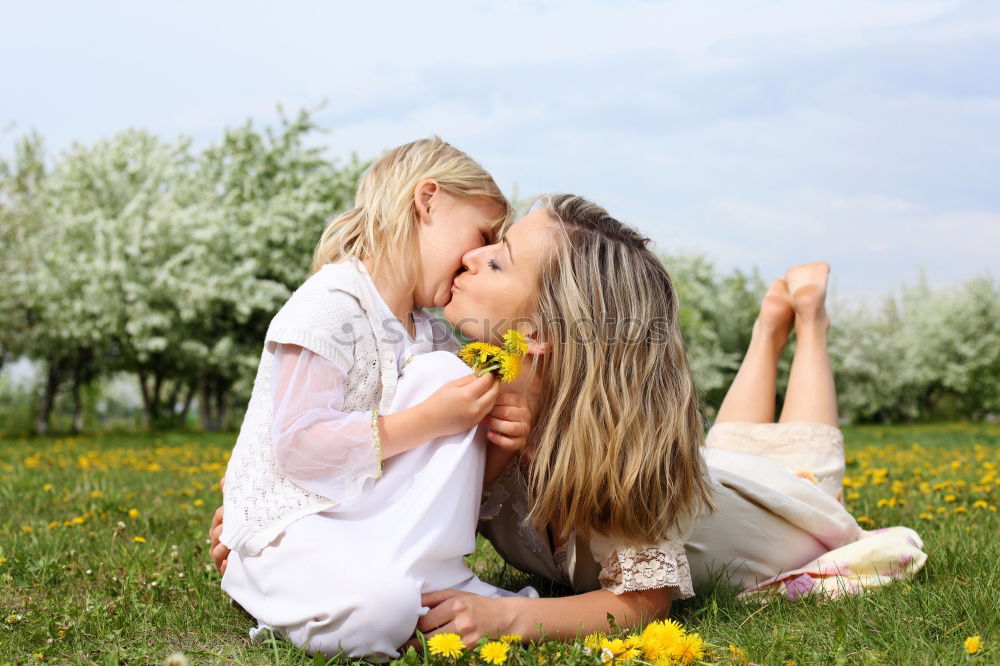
column 349, row 579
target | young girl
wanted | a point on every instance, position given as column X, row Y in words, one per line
column 326, row 489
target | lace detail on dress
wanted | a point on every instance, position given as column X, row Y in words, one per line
column 493, row 499
column 634, row 569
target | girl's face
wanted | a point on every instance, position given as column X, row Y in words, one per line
column 497, row 290
column 452, row 227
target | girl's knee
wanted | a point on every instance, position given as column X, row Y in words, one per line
column 369, row 622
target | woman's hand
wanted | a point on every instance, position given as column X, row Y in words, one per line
column 509, row 422
column 509, row 425
column 218, row 550
column 471, row 616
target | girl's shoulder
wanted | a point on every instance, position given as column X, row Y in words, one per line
column 326, row 314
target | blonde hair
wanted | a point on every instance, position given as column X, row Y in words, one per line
column 615, row 447
column 383, row 223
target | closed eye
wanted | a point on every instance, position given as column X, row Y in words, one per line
column 493, row 265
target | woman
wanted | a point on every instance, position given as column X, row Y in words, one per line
column 611, row 495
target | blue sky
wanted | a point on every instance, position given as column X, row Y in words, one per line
column 760, row 133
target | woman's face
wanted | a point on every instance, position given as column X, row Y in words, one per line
column 497, row 290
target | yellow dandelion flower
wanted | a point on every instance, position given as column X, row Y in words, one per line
column 446, row 645
column 515, row 343
column 926, row 516
column 631, row 648
column 199, row 502
column 593, row 641
column 661, row 639
column 961, row 509
column 738, row 655
column 27, row 529
column 692, row 649
column 494, row 652
column 865, row 520
column 47, row 488
column 980, row 504
column 612, row 649
column 511, row 638
column 138, row 540
column 2, row 560
column 133, row 513
column 973, row 644
column 96, row 493
column 510, row 367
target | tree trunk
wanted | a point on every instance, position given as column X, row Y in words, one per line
column 208, row 422
column 77, row 406
column 52, row 382
column 186, row 407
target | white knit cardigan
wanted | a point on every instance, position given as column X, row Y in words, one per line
column 332, row 315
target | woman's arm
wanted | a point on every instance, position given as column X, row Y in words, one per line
column 472, row 616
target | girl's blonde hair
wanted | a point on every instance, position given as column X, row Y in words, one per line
column 615, row 447
column 383, row 224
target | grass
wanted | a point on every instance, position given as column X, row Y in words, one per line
column 103, row 559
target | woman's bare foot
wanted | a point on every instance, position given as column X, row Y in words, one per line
column 807, row 289
column 776, row 314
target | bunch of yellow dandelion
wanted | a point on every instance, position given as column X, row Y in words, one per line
column 666, row 643
column 505, row 361
column 446, row 645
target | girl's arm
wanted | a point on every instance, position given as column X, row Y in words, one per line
column 330, row 451
column 472, row 616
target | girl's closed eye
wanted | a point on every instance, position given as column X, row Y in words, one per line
column 493, row 265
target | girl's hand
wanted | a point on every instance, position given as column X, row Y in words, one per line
column 509, row 422
column 471, row 616
column 460, row 404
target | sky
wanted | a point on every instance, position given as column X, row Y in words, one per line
column 761, row 134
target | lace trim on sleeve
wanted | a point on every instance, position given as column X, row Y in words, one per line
column 635, row 569
column 378, row 444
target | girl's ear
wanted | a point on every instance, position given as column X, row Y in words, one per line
column 423, row 198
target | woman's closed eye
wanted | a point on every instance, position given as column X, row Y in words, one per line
column 493, row 265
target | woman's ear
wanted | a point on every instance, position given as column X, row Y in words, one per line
column 423, row 198
column 535, row 348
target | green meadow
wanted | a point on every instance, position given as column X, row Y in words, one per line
column 103, row 560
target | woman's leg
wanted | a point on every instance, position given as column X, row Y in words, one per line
column 750, row 398
column 811, row 394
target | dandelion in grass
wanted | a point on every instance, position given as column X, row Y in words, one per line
column 133, row 513
column 511, row 638
column 662, row 640
column 738, row 655
column 138, row 539
column 446, row 645
column 973, row 644
column 494, row 652
column 692, row 649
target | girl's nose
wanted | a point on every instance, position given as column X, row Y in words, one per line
column 472, row 258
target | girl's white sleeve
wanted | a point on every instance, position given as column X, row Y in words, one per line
column 316, row 444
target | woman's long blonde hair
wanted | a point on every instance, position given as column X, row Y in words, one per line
column 615, row 447
column 383, row 224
